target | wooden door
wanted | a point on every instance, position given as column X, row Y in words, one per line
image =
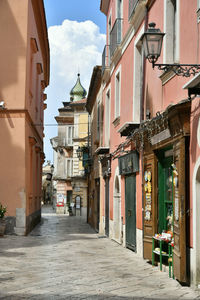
column 130, row 211
column 97, row 189
column 107, row 215
column 179, row 253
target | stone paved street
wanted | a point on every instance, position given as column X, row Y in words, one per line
column 63, row 258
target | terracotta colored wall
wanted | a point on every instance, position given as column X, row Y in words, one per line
column 22, row 172
column 34, row 87
column 13, row 17
column 158, row 96
column 12, row 177
column 126, row 64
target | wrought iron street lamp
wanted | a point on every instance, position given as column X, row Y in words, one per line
column 79, row 152
column 152, row 43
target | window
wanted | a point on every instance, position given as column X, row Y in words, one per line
column 69, row 135
column 109, row 28
column 69, row 167
column 132, row 6
column 98, row 120
column 107, row 119
column 138, row 76
column 119, row 8
column 119, row 16
column 117, row 94
column 171, row 28
column 109, row 38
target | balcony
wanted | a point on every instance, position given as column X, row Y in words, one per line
column 132, row 7
column 115, row 36
column 105, row 58
column 61, row 142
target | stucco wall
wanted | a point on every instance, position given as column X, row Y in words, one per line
column 12, row 177
column 13, row 18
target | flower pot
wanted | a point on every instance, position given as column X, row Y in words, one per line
column 2, row 227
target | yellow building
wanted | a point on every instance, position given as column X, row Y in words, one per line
column 80, row 141
column 69, row 173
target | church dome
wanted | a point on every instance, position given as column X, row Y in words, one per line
column 78, row 92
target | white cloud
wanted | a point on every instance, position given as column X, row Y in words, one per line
column 75, row 47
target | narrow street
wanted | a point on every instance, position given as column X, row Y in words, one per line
column 63, row 258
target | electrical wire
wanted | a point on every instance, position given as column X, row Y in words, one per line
column 63, row 124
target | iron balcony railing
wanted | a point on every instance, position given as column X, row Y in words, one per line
column 115, row 35
column 132, row 7
column 105, row 58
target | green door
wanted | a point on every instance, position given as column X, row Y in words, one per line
column 165, row 193
column 130, row 211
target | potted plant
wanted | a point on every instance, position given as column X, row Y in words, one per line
column 2, row 219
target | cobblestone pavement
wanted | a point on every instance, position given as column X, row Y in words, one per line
column 63, row 258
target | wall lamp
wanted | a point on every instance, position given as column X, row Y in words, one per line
column 152, row 43
column 79, row 152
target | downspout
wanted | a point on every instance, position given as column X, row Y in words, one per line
column 88, row 175
column 142, row 100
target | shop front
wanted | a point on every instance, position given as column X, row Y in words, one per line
column 166, row 188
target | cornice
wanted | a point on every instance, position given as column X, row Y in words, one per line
column 95, row 84
column 104, row 6
column 40, row 18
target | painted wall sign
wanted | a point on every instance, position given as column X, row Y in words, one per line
column 176, row 204
column 61, row 198
column 147, row 190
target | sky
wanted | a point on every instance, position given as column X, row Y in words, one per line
column 76, row 31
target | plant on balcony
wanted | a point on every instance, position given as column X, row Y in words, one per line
column 3, row 210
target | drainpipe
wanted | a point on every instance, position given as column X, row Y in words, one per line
column 142, row 116
column 89, row 156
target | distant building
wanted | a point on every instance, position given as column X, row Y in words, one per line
column 24, row 75
column 95, row 109
column 69, row 172
column 47, row 183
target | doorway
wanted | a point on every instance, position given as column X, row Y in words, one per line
column 195, row 261
column 165, row 193
column 130, row 211
column 97, row 197
column 117, row 210
column 107, row 215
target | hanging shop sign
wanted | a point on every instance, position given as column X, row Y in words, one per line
column 148, row 195
column 128, row 163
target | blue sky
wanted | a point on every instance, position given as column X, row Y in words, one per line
column 76, row 31
column 79, row 10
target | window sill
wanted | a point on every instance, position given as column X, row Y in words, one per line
column 116, row 121
column 166, row 76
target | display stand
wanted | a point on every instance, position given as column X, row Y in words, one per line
column 169, row 254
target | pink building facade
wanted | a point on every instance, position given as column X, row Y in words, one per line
column 24, row 76
column 150, row 152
